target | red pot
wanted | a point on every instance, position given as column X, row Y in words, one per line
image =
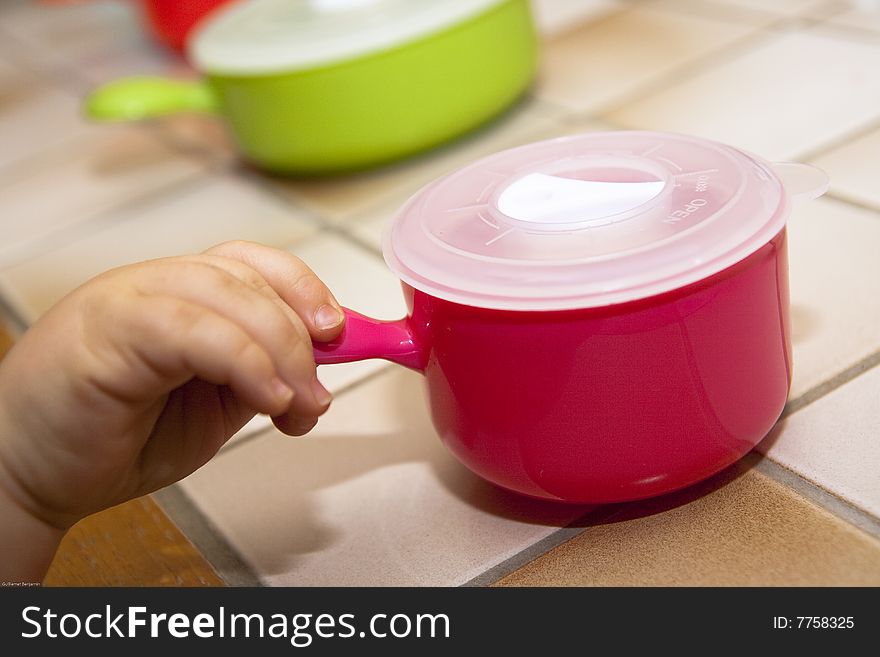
column 571, row 398
column 171, row 21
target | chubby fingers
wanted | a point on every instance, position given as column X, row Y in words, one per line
column 294, row 282
column 178, row 340
column 277, row 330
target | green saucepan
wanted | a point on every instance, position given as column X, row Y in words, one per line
column 326, row 86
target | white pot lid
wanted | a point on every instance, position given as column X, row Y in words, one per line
column 271, row 36
column 591, row 220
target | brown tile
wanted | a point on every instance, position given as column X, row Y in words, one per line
column 5, row 340
column 739, row 529
column 133, row 544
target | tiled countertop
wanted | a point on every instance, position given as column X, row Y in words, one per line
column 371, row 496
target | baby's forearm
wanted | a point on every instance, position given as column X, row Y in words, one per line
column 27, row 544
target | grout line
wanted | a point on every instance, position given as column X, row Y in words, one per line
column 783, row 24
column 529, row 554
column 592, row 22
column 829, row 385
column 359, row 242
column 848, row 31
column 13, row 319
column 264, row 182
column 205, row 536
column 343, row 232
column 326, row 227
column 712, row 60
column 721, row 12
column 27, row 165
column 848, row 200
column 829, row 10
column 859, row 132
column 836, row 506
column 564, row 113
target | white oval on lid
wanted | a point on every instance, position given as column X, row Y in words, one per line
column 261, row 37
column 585, row 221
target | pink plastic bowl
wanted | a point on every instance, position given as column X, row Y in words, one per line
column 610, row 401
column 599, row 405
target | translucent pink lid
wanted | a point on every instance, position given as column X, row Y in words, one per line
column 591, row 220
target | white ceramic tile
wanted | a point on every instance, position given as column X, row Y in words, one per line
column 833, row 441
column 360, row 281
column 370, row 497
column 603, row 63
column 835, row 276
column 338, row 198
column 781, row 99
column 34, row 116
column 556, row 16
column 192, row 220
column 854, row 168
column 82, row 178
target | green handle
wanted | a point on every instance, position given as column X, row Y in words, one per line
column 136, row 98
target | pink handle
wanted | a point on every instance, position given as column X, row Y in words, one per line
column 364, row 337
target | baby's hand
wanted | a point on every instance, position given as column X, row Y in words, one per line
column 138, row 377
